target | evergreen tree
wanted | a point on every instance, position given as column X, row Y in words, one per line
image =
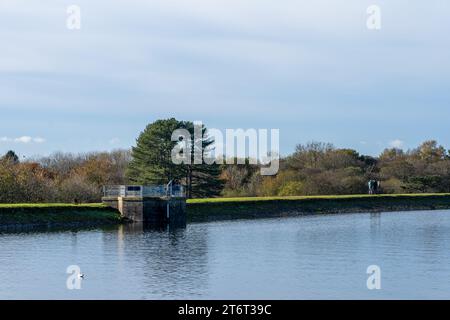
column 152, row 160
column 11, row 157
column 202, row 180
column 151, row 157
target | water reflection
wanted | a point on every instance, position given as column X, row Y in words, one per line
column 290, row 258
column 162, row 258
column 375, row 223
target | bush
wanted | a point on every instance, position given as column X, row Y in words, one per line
column 291, row 188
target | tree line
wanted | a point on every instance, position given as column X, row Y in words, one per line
column 321, row 169
column 314, row 168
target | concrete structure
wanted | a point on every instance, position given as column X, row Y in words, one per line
column 156, row 206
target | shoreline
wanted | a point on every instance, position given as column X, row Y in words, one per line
column 219, row 209
column 58, row 215
column 29, row 216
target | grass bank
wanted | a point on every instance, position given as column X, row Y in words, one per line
column 56, row 215
column 213, row 209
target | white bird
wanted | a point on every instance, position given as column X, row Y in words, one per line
column 80, row 276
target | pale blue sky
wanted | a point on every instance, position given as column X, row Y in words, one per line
column 310, row 68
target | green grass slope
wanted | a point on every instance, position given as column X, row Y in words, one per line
column 263, row 207
column 57, row 214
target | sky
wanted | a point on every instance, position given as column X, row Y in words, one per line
column 311, row 69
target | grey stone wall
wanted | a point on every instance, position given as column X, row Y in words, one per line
column 152, row 211
column 132, row 208
column 177, row 213
column 112, row 202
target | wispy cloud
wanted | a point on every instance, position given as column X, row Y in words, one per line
column 230, row 63
column 23, row 139
column 38, row 140
column 397, row 143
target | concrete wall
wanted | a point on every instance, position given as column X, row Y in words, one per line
column 111, row 202
column 177, row 213
column 153, row 211
column 132, row 208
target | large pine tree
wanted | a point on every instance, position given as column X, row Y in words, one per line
column 202, row 180
column 152, row 160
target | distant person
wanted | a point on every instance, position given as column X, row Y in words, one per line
column 371, row 185
column 375, row 187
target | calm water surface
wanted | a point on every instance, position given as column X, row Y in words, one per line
column 309, row 257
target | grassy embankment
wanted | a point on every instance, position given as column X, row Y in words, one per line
column 264, row 207
column 56, row 215
column 223, row 209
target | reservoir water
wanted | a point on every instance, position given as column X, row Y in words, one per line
column 309, row 257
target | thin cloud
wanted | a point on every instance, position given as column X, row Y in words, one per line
column 397, row 143
column 38, row 140
column 23, row 139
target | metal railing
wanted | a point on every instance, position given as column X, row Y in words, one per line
column 144, row 191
